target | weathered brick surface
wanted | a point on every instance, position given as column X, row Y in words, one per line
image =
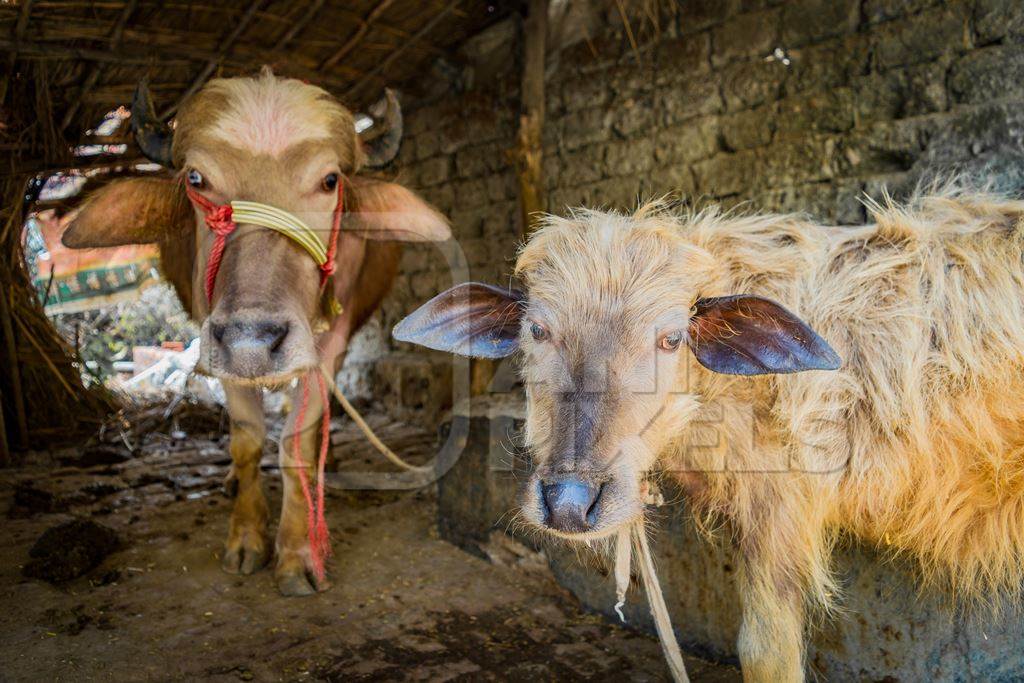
column 876, row 93
column 808, row 21
column 991, row 73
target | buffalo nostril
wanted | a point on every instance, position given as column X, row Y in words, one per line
column 264, row 336
column 272, row 334
column 592, row 510
column 570, row 505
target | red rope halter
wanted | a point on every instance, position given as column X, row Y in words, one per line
column 221, row 222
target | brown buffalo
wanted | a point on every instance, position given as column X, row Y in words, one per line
column 287, row 144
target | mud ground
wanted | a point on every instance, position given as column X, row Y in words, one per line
column 404, row 606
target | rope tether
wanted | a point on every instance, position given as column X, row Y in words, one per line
column 628, row 537
column 365, row 428
column 316, row 522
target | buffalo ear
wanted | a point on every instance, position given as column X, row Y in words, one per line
column 471, row 319
column 130, row 211
column 380, row 210
column 751, row 335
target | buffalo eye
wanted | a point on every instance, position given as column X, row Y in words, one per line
column 670, row 341
column 195, row 179
column 330, row 182
column 539, row 332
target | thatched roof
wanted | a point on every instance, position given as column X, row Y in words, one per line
column 66, row 63
column 97, row 50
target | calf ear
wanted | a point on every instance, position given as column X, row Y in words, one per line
column 750, row 335
column 131, row 211
column 471, row 319
column 379, row 210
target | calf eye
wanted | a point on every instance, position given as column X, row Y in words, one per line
column 330, row 182
column 195, row 179
column 670, row 341
column 539, row 332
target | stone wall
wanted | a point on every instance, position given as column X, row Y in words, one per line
column 802, row 105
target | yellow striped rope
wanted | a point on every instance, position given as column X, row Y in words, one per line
column 254, row 213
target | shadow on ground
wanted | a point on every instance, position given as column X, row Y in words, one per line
column 405, row 605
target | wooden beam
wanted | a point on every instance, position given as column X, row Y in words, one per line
column 23, row 14
column 212, row 65
column 351, row 43
column 528, row 154
column 380, row 68
column 168, row 55
column 94, row 30
column 457, row 12
column 385, row 27
column 18, row 34
column 5, row 449
column 197, row 47
column 97, row 69
column 56, row 51
column 311, row 11
column 122, row 93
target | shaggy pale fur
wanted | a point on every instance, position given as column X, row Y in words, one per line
column 915, row 445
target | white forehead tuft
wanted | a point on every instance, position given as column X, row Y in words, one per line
column 266, row 115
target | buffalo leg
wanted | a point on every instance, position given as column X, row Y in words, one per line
column 785, row 565
column 247, row 548
column 771, row 635
column 294, row 571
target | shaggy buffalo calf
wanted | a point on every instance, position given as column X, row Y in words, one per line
column 676, row 343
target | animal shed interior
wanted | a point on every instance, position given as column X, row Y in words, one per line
column 69, row 63
column 793, row 105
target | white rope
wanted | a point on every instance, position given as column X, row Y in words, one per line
column 623, row 560
column 655, row 599
column 367, row 432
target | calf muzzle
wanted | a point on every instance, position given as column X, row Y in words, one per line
column 570, row 505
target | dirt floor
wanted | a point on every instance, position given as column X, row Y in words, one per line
column 404, row 605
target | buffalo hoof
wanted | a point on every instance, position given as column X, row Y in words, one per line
column 245, row 552
column 295, row 578
column 245, row 560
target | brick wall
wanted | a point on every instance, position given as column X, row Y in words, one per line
column 875, row 93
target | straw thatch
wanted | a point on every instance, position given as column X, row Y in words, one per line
column 68, row 62
column 40, row 391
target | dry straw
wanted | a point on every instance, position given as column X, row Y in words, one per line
column 42, row 399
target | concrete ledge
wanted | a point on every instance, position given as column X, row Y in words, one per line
column 889, row 629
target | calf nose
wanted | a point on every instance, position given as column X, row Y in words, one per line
column 569, row 505
column 249, row 345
